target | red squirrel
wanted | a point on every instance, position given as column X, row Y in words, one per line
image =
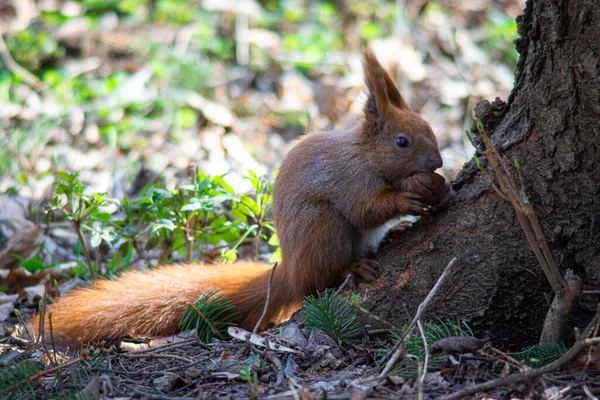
column 332, row 198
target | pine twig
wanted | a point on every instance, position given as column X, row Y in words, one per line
column 264, row 313
column 38, row 375
column 208, row 321
column 398, row 349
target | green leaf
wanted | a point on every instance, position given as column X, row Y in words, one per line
column 274, row 240
column 239, row 215
column 478, row 163
column 95, row 240
column 195, row 206
column 69, row 178
column 227, row 188
column 517, row 166
column 229, row 256
column 33, row 264
column 276, row 257
column 163, row 224
column 370, row 30
column 218, row 222
column 103, row 216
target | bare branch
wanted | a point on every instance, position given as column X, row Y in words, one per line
column 264, row 313
column 398, row 349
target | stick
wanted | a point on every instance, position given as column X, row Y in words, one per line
column 343, row 285
column 399, row 348
column 52, row 337
column 264, row 313
column 533, row 374
column 426, row 360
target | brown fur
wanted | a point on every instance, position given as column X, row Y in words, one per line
column 153, row 302
column 332, row 188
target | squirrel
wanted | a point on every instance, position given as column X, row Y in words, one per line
column 333, row 199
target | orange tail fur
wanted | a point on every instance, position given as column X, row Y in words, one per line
column 151, row 303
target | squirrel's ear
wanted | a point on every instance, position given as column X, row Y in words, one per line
column 382, row 90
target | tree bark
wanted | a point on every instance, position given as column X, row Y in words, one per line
column 551, row 125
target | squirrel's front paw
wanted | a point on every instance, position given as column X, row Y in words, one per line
column 433, row 188
column 411, row 203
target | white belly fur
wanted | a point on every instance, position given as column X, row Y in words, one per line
column 371, row 238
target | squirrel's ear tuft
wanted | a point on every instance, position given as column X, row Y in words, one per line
column 383, row 93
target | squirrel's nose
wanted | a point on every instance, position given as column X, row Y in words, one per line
column 438, row 163
column 433, row 163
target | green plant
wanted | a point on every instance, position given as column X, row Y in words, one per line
column 201, row 217
column 14, row 379
column 331, row 314
column 252, row 211
column 82, row 210
column 31, row 49
column 181, row 218
column 540, row 354
column 34, row 263
column 433, row 331
column 251, row 380
column 210, row 315
column 409, row 366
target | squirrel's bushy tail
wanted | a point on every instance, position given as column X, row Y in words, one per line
column 151, row 303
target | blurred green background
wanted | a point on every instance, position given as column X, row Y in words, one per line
column 112, row 88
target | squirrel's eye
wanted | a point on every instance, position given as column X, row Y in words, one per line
column 401, row 141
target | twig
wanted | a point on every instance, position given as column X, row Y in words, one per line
column 212, row 326
column 420, row 381
column 141, row 252
column 22, row 321
column 168, row 356
column 589, row 393
column 587, row 342
column 174, row 345
column 343, row 285
column 41, row 330
column 399, row 347
column 535, row 373
column 86, row 251
column 35, row 377
column 52, row 337
column 566, row 288
column 264, row 313
column 505, row 358
column 191, row 222
column 523, row 208
column 426, row 349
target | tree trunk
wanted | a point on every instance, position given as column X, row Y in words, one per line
column 551, row 125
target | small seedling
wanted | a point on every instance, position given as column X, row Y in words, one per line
column 331, row 314
column 210, row 315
